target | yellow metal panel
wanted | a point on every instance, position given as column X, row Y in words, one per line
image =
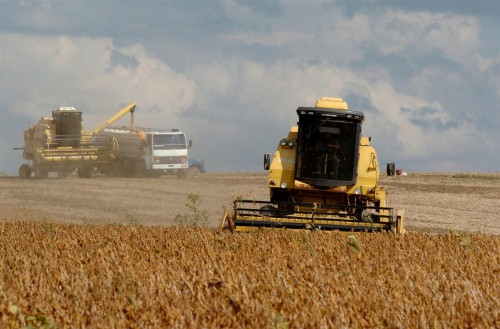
column 283, row 163
column 332, row 103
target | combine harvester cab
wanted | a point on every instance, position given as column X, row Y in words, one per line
column 60, row 144
column 323, row 176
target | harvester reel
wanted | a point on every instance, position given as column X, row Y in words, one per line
column 367, row 216
column 268, row 210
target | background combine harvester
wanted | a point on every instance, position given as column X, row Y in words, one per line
column 60, row 144
column 324, row 175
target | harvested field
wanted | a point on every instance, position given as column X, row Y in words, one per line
column 102, row 252
column 117, row 276
column 433, row 202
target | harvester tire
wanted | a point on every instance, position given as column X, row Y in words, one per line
column 84, row 172
column 41, row 172
column 25, row 171
column 62, row 173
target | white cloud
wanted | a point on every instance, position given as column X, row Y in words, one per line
column 48, row 72
column 455, row 36
column 264, row 99
column 274, row 38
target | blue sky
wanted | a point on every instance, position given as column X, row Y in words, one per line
column 232, row 73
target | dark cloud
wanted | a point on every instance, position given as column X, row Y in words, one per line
column 428, row 119
column 265, row 7
column 483, row 8
column 119, row 59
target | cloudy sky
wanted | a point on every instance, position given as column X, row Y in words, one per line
column 232, row 73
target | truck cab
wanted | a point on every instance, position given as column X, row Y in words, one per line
column 167, row 151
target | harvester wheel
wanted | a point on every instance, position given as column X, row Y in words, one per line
column 41, row 172
column 62, row 173
column 84, row 172
column 25, row 171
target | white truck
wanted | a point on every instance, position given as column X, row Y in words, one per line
column 148, row 152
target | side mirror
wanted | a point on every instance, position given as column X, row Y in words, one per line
column 190, row 143
column 267, row 161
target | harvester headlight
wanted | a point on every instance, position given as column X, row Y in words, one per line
column 287, row 143
column 357, row 191
column 283, row 185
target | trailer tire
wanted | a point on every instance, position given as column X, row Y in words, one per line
column 141, row 169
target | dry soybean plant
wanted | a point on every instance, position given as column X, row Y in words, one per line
column 66, row 276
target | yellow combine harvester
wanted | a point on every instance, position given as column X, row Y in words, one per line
column 324, row 175
column 60, row 144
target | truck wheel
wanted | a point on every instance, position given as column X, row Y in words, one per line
column 182, row 173
column 140, row 168
column 193, row 171
column 25, row 171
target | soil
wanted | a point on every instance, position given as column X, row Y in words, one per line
column 432, row 202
